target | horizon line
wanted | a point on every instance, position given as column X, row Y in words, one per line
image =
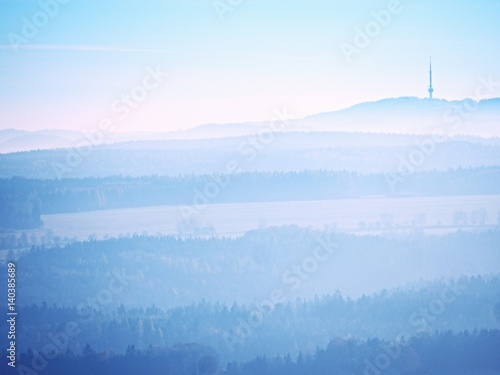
column 263, row 120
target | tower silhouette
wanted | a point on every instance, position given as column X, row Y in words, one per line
column 431, row 89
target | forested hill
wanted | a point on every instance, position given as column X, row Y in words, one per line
column 266, row 152
column 170, row 271
column 242, row 331
column 22, row 200
column 463, row 353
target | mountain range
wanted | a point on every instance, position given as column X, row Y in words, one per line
column 404, row 115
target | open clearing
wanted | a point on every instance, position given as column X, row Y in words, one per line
column 352, row 215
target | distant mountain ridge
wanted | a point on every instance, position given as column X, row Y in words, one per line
column 415, row 115
column 404, row 115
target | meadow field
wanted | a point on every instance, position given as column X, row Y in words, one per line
column 431, row 214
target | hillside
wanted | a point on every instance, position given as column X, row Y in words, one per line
column 404, row 115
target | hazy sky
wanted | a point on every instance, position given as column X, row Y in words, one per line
column 72, row 65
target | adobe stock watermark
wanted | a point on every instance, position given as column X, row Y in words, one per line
column 221, row 7
column 31, row 26
column 122, row 107
column 58, row 343
column 419, row 320
column 458, row 113
column 415, row 158
column 372, row 29
column 293, row 279
column 455, row 116
column 248, row 151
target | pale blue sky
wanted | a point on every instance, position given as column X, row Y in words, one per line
column 263, row 55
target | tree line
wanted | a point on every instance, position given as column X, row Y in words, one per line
column 240, row 330
column 442, row 352
column 23, row 201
